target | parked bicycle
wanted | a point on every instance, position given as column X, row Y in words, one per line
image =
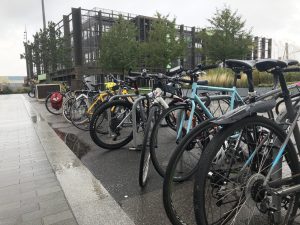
column 183, row 164
column 257, row 178
column 85, row 104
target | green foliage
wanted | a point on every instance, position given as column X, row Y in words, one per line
column 22, row 90
column 227, row 37
column 49, row 50
column 224, row 78
column 6, row 90
column 119, row 47
column 163, row 46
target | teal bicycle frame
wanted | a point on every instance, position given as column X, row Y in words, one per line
column 196, row 99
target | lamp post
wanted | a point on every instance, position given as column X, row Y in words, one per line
column 44, row 18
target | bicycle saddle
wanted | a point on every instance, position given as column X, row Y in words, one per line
column 240, row 64
column 268, row 64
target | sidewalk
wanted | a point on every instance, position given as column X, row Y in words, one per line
column 41, row 180
column 29, row 190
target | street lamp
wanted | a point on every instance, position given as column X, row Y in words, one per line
column 44, row 18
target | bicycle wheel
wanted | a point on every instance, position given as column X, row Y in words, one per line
column 145, row 154
column 50, row 108
column 218, row 107
column 31, row 93
column 78, row 114
column 67, row 107
column 164, row 140
column 178, row 195
column 111, row 125
column 229, row 183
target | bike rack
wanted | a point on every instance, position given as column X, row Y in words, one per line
column 134, row 111
column 122, row 96
column 134, row 124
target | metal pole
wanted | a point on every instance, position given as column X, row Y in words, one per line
column 44, row 18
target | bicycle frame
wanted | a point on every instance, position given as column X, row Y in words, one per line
column 195, row 99
column 156, row 95
column 101, row 97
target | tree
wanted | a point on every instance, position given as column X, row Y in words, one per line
column 49, row 50
column 119, row 47
column 164, row 46
column 227, row 37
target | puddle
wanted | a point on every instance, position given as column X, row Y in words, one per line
column 78, row 147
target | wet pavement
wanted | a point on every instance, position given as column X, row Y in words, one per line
column 117, row 171
column 29, row 190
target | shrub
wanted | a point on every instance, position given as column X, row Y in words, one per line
column 22, row 90
column 6, row 90
column 225, row 78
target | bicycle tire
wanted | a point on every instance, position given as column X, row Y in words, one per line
column 31, row 94
column 78, row 116
column 173, row 182
column 209, row 156
column 158, row 157
column 67, row 107
column 145, row 152
column 50, row 108
column 99, row 140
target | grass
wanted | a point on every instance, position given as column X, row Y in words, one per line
column 225, row 78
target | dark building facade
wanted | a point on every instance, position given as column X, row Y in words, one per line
column 81, row 32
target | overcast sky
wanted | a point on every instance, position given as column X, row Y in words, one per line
column 277, row 19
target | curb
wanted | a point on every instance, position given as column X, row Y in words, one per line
column 88, row 199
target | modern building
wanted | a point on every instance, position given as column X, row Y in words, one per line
column 82, row 30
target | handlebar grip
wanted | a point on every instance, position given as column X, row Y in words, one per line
column 185, row 81
column 175, row 70
column 194, row 70
column 292, row 69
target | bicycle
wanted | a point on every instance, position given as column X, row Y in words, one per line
column 64, row 92
column 170, row 90
column 255, row 176
column 31, row 92
column 71, row 97
column 187, row 115
column 85, row 105
column 183, row 164
column 117, row 122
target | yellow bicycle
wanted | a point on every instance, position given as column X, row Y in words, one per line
column 85, row 104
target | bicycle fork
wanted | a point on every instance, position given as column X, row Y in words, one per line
column 277, row 177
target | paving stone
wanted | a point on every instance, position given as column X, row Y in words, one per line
column 8, row 221
column 48, row 190
column 52, row 202
column 60, row 217
column 9, row 206
column 31, row 222
column 66, row 222
column 30, row 193
column 45, row 212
